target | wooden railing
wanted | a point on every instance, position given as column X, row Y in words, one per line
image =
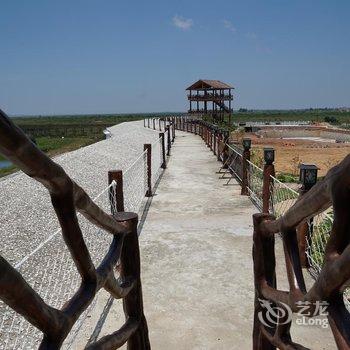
column 333, row 190
column 67, row 199
column 294, row 218
column 210, row 97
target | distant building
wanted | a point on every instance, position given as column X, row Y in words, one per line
column 212, row 98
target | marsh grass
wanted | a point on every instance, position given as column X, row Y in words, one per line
column 53, row 146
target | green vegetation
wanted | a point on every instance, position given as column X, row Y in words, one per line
column 331, row 120
column 314, row 115
column 53, row 146
column 285, row 177
column 7, row 171
column 320, row 235
column 56, row 145
column 86, row 120
column 243, row 115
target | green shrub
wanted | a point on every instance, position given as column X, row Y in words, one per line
column 284, row 177
column 331, row 120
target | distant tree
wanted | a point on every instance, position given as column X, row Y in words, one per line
column 243, row 110
column 331, row 120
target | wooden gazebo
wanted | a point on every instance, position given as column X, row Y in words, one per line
column 212, row 98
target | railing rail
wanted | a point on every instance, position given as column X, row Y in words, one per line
column 235, row 162
column 255, row 183
column 333, row 275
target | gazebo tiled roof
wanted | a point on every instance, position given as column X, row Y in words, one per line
column 209, row 84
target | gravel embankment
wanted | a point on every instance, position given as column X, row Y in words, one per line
column 29, row 230
column 26, row 214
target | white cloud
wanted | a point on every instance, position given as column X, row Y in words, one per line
column 259, row 44
column 182, row 22
column 252, row 36
column 229, row 26
column 263, row 49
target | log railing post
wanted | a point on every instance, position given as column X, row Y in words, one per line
column 207, row 135
column 174, row 128
column 133, row 302
column 160, row 125
column 213, row 141
column 245, row 157
column 144, row 122
column 264, row 262
column 148, row 148
column 162, row 143
column 218, row 142
column 117, row 202
column 308, row 178
column 214, row 146
column 269, row 170
column 168, row 140
column 225, row 152
column 211, row 138
column 148, row 122
column 154, row 124
column 130, row 266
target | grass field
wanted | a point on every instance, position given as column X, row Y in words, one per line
column 53, row 146
column 95, row 119
column 315, row 115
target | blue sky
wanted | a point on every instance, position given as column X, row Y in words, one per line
column 105, row 56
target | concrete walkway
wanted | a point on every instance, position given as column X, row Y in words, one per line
column 196, row 256
column 197, row 268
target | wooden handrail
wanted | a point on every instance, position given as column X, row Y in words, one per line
column 333, row 190
column 67, row 198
